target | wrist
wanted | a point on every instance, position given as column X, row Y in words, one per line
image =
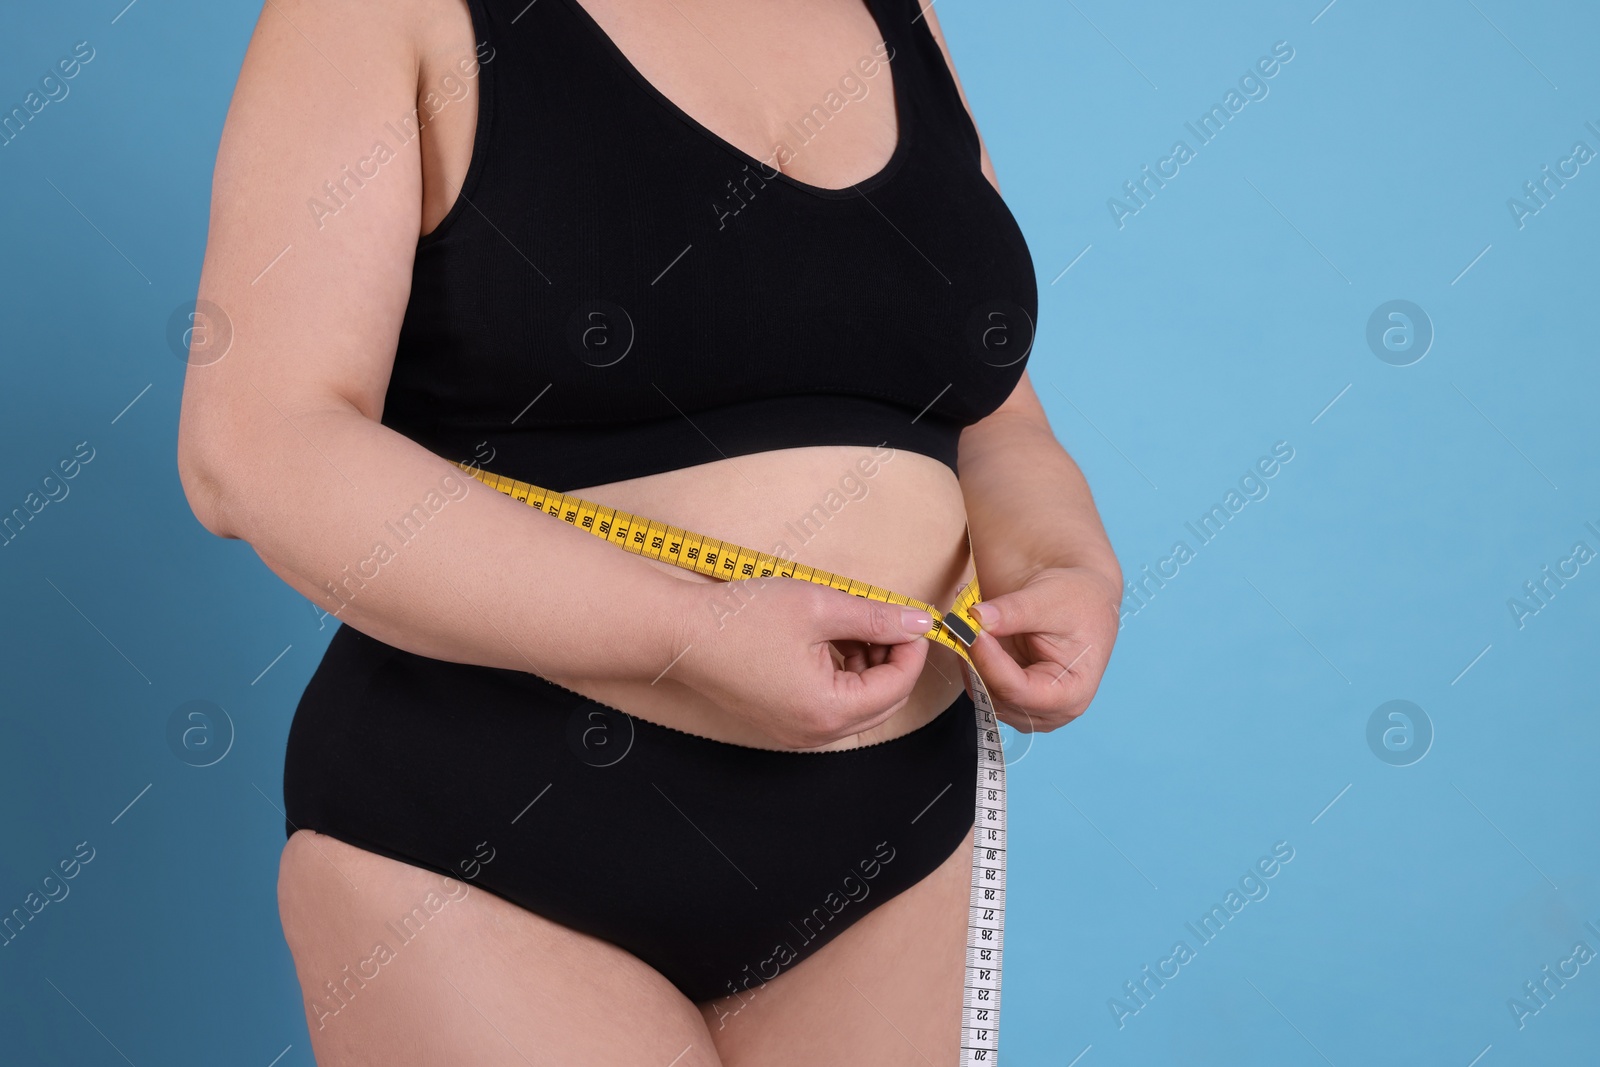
column 1009, row 570
column 677, row 609
column 1108, row 570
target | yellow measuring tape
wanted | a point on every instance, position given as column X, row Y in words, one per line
column 955, row 629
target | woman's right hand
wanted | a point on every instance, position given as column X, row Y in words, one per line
column 804, row 664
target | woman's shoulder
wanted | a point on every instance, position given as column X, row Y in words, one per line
column 316, row 206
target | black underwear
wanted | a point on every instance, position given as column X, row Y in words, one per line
column 720, row 865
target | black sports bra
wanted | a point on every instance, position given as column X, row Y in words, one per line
column 619, row 292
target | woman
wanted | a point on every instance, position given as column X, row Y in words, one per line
column 740, row 270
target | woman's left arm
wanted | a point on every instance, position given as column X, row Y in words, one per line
column 1051, row 582
column 1052, row 586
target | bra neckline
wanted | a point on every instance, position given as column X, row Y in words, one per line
column 903, row 104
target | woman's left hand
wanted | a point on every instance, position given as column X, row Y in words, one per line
column 1044, row 646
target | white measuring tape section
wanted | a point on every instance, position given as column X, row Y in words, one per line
column 986, row 917
column 955, row 629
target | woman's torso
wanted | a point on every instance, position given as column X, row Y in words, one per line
column 890, row 516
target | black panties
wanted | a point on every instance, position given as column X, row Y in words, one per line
column 719, row 865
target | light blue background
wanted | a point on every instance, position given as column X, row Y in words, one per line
column 1226, row 315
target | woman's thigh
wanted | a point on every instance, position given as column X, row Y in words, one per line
column 402, row 966
column 886, row 991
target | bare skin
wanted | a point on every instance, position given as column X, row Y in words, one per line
column 280, row 446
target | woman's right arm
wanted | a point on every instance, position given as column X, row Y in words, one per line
column 280, row 445
column 279, row 441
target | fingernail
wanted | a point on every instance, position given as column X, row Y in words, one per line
column 915, row 622
column 985, row 614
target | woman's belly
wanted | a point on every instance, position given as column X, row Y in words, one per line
column 892, row 518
